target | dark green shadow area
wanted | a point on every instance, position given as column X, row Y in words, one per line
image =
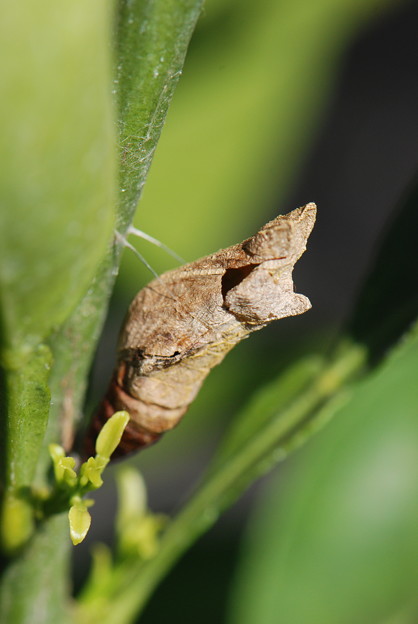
column 388, row 302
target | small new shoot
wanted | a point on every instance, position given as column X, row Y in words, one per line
column 72, row 486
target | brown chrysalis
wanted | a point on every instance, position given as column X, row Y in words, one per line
column 184, row 323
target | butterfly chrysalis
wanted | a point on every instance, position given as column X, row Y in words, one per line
column 184, row 322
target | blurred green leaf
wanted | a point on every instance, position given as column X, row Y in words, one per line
column 58, row 163
column 388, row 302
column 337, row 542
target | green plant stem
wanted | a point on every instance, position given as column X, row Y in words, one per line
column 25, row 399
column 302, row 417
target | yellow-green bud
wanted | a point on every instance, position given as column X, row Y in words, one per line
column 111, row 434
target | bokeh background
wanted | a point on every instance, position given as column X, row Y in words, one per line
column 280, row 103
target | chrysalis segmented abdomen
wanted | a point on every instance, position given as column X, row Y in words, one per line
column 133, row 438
column 184, row 323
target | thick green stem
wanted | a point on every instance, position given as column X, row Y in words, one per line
column 25, row 399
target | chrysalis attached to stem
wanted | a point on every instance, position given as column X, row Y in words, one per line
column 184, row 323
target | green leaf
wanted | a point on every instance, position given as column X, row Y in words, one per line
column 58, row 162
column 337, row 542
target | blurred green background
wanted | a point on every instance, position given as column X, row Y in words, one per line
column 281, row 103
